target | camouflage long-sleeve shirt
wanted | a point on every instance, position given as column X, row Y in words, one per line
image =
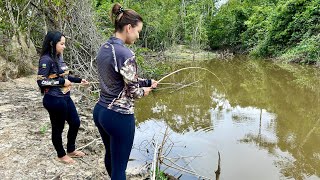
column 52, row 75
column 118, row 77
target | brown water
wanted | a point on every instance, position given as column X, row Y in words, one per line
column 263, row 118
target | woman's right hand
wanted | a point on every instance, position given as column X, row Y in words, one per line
column 147, row 90
column 154, row 83
column 67, row 82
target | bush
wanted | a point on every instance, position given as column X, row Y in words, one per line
column 290, row 23
column 306, row 52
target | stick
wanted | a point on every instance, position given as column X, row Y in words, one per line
column 155, row 161
column 184, row 157
column 88, row 144
column 162, row 144
column 219, row 169
column 177, row 167
column 188, row 163
column 57, row 176
column 94, row 167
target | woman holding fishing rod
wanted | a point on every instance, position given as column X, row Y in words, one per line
column 120, row 85
column 55, row 83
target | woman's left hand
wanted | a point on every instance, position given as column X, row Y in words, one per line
column 84, row 82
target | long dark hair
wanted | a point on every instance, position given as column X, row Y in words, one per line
column 49, row 44
column 121, row 17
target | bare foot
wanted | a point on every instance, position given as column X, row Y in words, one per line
column 76, row 154
column 66, row 160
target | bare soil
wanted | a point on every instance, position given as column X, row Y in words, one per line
column 26, row 150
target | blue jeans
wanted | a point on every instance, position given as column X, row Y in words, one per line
column 62, row 109
column 117, row 133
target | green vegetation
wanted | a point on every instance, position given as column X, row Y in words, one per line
column 44, row 128
column 150, row 68
column 288, row 29
column 283, row 29
column 166, row 22
column 160, row 175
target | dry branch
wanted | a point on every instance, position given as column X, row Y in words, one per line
column 82, row 147
column 180, row 168
column 218, row 171
column 155, row 161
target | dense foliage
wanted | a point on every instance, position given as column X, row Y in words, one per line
column 271, row 28
column 166, row 22
column 287, row 29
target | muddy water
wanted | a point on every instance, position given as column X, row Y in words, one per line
column 263, row 118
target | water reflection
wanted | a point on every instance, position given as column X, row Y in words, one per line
column 265, row 123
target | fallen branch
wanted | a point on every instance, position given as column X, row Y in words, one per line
column 94, row 167
column 155, row 161
column 82, row 147
column 178, row 167
column 184, row 157
column 57, row 176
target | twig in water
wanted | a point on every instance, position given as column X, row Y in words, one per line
column 178, row 167
column 162, row 144
column 155, row 159
column 183, row 157
column 188, row 162
column 218, row 171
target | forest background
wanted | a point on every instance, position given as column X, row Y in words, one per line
column 287, row 30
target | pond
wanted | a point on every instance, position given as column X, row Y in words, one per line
column 262, row 117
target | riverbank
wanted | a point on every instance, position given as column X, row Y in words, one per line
column 183, row 53
column 26, row 150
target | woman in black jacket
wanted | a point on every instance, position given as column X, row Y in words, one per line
column 55, row 83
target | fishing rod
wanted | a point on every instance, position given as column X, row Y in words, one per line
column 186, row 68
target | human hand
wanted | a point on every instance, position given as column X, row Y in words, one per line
column 84, row 82
column 147, row 90
column 67, row 83
column 154, row 83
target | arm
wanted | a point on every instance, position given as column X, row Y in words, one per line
column 45, row 79
column 128, row 71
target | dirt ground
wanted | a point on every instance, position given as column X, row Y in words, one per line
column 26, row 150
